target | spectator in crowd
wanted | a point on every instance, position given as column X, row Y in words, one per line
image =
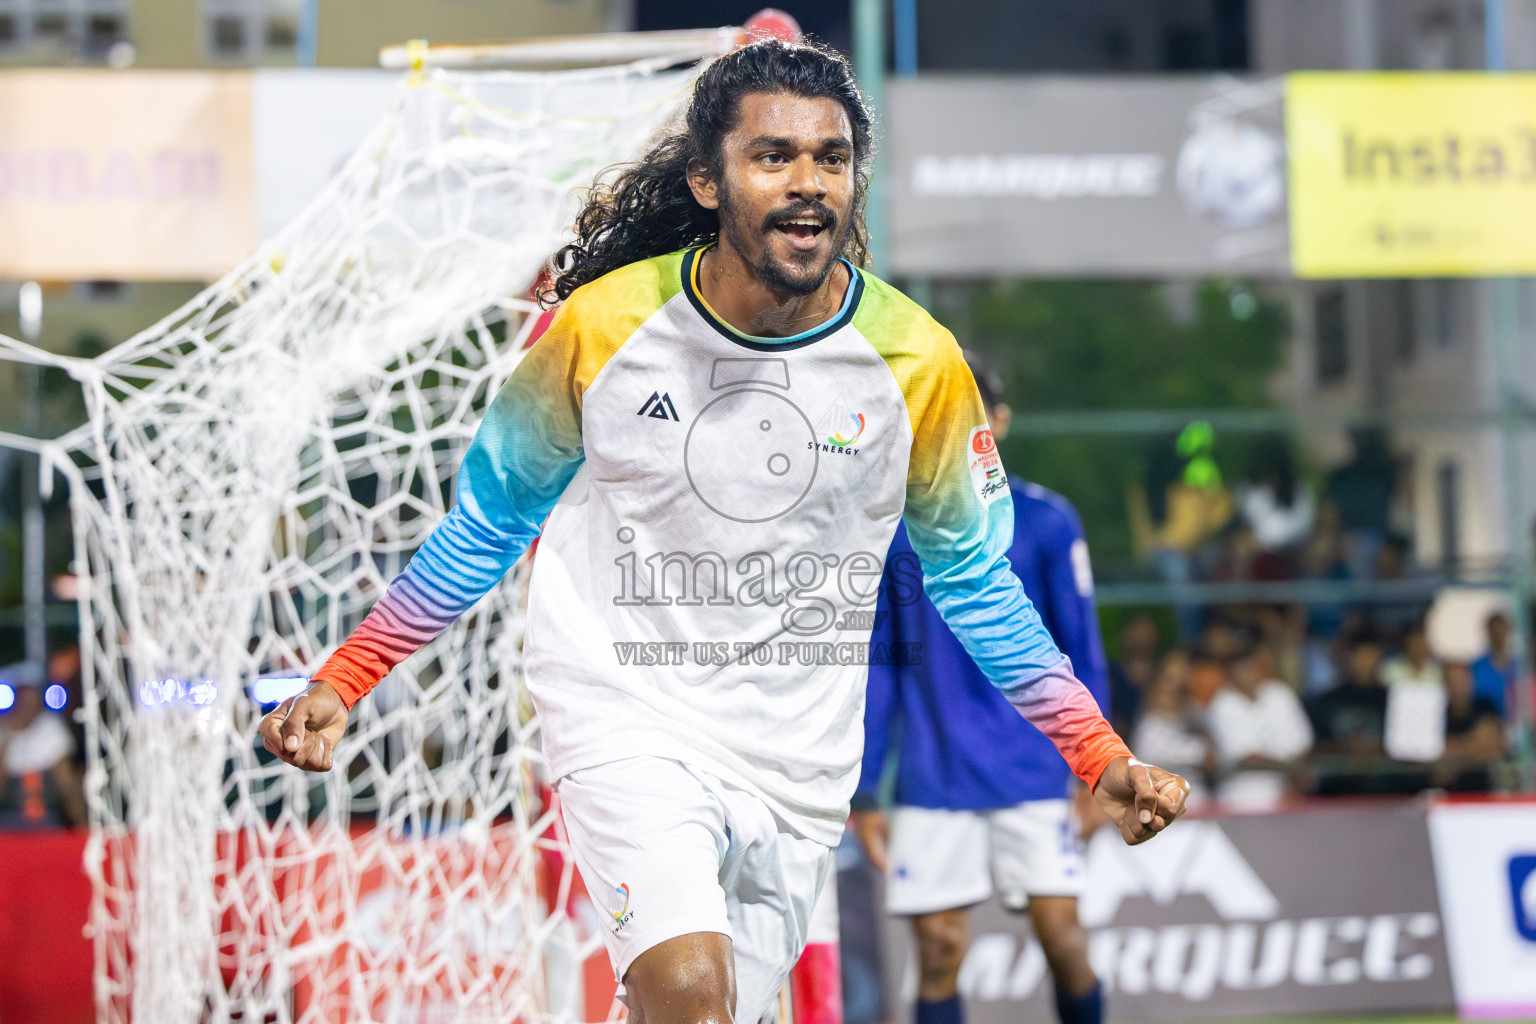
column 1284, row 629
column 1350, row 719
column 1207, row 675
column 1415, row 726
column 1218, row 638
column 1361, row 490
column 1244, row 558
column 1219, row 643
column 1181, row 505
column 1260, row 732
column 1413, row 663
column 1278, row 508
column 1322, row 558
column 1131, row 673
column 1395, row 563
column 1169, row 730
column 1495, row 673
column 39, row 783
column 1474, row 734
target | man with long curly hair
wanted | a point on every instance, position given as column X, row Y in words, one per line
column 718, row 433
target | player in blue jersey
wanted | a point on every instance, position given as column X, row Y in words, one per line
column 983, row 799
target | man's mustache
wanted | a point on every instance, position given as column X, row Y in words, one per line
column 823, row 213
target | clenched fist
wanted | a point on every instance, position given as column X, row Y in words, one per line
column 304, row 730
column 1140, row 798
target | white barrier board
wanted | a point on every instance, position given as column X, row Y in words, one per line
column 1485, row 866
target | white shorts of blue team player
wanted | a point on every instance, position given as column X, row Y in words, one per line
column 667, row 849
column 944, row 860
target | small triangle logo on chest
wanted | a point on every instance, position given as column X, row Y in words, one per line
column 659, row 407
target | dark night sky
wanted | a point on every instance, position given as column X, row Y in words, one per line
column 827, row 21
column 1104, row 36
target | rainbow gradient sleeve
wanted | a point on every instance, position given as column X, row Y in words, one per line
column 524, row 453
column 959, row 518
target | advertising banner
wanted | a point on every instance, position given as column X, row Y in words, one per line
column 993, row 175
column 45, row 904
column 1402, row 175
column 305, row 123
column 1485, row 862
column 1329, row 911
column 126, row 176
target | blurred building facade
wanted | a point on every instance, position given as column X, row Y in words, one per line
column 236, row 33
column 1434, row 356
column 1434, row 359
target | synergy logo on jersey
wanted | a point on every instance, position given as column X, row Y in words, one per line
column 987, row 475
column 623, row 915
column 838, row 438
column 659, row 407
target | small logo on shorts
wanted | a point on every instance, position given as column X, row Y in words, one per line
column 623, row 914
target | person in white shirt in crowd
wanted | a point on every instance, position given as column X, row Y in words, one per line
column 1414, row 662
column 1260, row 731
column 39, row 782
column 1169, row 729
column 1278, row 508
column 1415, row 682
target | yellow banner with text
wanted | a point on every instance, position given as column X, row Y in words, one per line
column 1412, row 175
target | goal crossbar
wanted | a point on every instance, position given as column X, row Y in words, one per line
column 564, row 51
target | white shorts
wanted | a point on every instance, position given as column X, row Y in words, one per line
column 942, row 860
column 667, row 850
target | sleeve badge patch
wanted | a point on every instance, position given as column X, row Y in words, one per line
column 987, row 476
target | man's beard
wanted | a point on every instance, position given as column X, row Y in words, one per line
column 773, row 275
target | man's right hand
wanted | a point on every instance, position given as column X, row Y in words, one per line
column 873, row 830
column 304, row 730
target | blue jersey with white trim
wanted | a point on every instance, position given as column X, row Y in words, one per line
column 961, row 745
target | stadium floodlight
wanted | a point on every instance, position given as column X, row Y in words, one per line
column 254, row 470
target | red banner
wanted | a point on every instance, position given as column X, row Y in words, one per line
column 45, row 958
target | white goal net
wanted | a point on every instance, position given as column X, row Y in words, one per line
column 255, row 469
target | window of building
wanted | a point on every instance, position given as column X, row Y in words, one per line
column 1442, row 314
column 102, row 30
column 250, row 30
column 1405, row 328
column 82, row 28
column 1448, row 505
column 282, row 33
column 1330, row 325
column 228, row 35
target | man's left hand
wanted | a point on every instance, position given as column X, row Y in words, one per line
column 1141, row 799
